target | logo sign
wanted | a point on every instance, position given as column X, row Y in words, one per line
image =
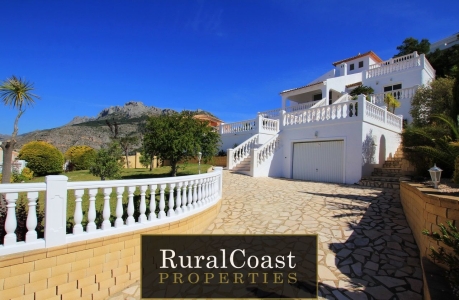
column 229, row 266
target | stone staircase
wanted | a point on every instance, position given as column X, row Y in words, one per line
column 244, row 166
column 390, row 174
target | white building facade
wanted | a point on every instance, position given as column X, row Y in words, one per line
column 323, row 134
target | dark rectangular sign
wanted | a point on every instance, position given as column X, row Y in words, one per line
column 229, row 266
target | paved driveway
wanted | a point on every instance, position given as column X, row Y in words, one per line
column 366, row 249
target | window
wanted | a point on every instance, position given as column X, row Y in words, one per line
column 317, row 97
column 393, row 87
column 394, row 90
column 351, row 67
column 361, row 64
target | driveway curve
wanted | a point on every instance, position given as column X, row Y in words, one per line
column 366, row 248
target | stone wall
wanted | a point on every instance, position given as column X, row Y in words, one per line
column 424, row 209
column 92, row 269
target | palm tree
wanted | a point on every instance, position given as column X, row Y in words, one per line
column 16, row 93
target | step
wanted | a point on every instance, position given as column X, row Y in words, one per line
column 379, row 184
column 392, row 164
column 381, row 178
column 241, row 172
column 387, row 172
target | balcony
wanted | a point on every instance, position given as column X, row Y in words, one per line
column 399, row 64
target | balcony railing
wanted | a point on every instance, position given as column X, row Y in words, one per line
column 395, row 65
column 402, row 94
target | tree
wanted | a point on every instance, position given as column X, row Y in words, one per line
column 42, row 158
column 179, row 137
column 108, row 162
column 445, row 62
column 126, row 142
column 391, row 102
column 411, row 44
column 16, row 93
column 362, row 89
column 454, row 111
column 80, row 156
column 435, row 98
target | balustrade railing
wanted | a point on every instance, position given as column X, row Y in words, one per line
column 304, row 106
column 248, row 125
column 238, row 154
column 401, row 94
column 381, row 115
column 103, row 208
column 272, row 113
column 275, row 113
column 343, row 98
column 267, row 150
column 394, row 65
column 270, row 124
column 323, row 113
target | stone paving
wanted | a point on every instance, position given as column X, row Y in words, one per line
column 366, row 249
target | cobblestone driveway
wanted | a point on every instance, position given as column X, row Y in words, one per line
column 366, row 249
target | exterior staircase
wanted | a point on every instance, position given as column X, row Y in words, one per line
column 243, row 167
column 393, row 170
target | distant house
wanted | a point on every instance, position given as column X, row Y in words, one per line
column 213, row 121
column 15, row 164
column 445, row 43
column 320, row 132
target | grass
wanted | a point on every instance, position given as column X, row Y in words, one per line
column 84, row 175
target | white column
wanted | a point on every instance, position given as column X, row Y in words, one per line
column 56, row 210
column 130, row 208
column 31, row 223
column 78, row 214
column 119, row 206
column 11, row 221
column 219, row 170
column 143, row 204
column 106, row 212
column 230, row 158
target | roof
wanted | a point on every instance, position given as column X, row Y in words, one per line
column 207, row 117
column 354, row 84
column 370, row 53
column 316, row 83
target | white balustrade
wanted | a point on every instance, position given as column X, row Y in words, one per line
column 402, row 94
column 270, row 125
column 242, row 126
column 394, row 65
column 187, row 195
column 32, row 223
column 324, row 113
column 306, row 105
column 271, row 114
column 241, row 152
column 267, row 150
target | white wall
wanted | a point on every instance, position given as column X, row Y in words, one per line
column 408, row 78
column 385, row 143
column 228, row 140
column 348, row 130
column 329, row 74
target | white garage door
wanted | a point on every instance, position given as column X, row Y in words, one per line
column 319, row 161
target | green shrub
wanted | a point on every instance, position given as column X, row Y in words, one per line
column 449, row 237
column 42, row 158
column 81, row 157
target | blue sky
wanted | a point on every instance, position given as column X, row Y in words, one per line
column 231, row 58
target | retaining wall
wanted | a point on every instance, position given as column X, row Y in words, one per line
column 92, row 269
column 425, row 208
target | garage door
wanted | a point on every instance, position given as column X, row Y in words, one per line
column 319, row 161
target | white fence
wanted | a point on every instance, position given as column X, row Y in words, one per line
column 394, row 65
column 179, row 197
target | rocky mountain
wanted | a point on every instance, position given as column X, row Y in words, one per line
column 93, row 131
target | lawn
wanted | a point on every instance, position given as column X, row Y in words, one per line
column 84, row 175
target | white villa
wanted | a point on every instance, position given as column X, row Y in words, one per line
column 320, row 133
